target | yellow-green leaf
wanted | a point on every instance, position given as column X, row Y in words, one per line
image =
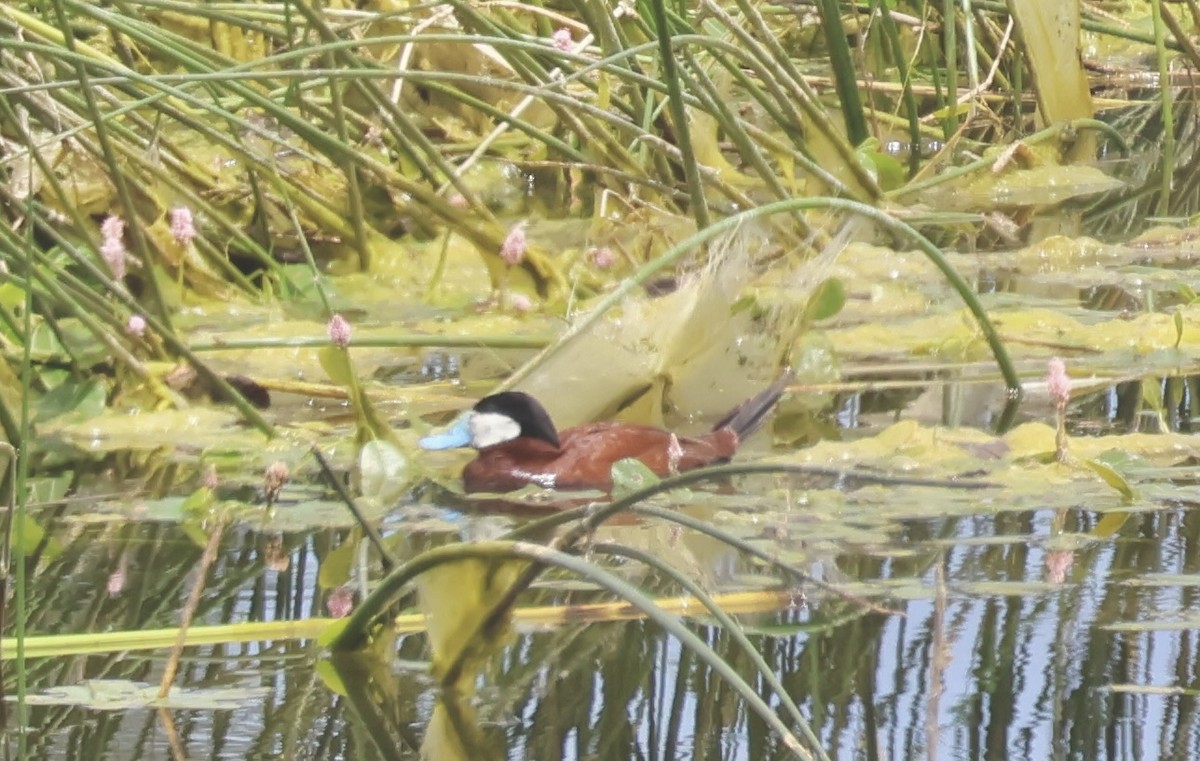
column 827, row 299
column 335, row 568
column 1112, row 478
column 1110, row 524
column 335, row 361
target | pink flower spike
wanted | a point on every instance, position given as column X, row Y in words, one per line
column 112, row 228
column 117, row 579
column 209, row 479
column 136, row 325
column 562, row 39
column 116, row 582
column 603, row 257
column 339, row 331
column 520, row 303
column 112, row 248
column 1058, row 565
column 183, row 227
column 340, row 602
column 113, row 252
column 1058, row 383
column 274, row 478
column 275, row 555
column 515, row 243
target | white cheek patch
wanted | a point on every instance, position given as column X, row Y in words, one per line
column 491, row 428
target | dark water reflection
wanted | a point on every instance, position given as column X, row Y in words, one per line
column 1024, row 652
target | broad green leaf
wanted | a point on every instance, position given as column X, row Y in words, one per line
column 12, row 296
column 1112, row 478
column 45, row 344
column 49, row 489
column 629, row 475
column 52, row 377
column 82, row 343
column 886, row 170
column 456, row 599
column 1050, row 36
column 77, row 400
column 385, row 471
column 324, row 668
column 1152, row 397
column 33, row 534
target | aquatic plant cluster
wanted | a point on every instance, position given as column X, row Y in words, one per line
column 252, row 253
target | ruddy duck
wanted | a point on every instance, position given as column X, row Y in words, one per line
column 518, row 444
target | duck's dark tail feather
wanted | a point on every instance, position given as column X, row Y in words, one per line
column 750, row 414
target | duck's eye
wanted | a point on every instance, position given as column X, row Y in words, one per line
column 491, row 428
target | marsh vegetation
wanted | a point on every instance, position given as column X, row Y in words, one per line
column 252, row 252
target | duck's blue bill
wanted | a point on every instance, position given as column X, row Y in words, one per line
column 457, row 435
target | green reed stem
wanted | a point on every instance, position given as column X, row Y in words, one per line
column 116, row 642
column 1180, row 35
column 970, row 45
column 355, row 632
column 683, row 132
column 732, row 627
column 20, row 486
column 50, row 275
column 340, row 152
column 139, row 154
column 845, row 76
column 732, row 127
column 754, row 550
column 1090, row 24
column 774, row 56
column 587, row 521
column 318, row 278
column 950, row 53
column 116, row 174
column 907, row 96
column 354, row 193
column 1168, row 108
